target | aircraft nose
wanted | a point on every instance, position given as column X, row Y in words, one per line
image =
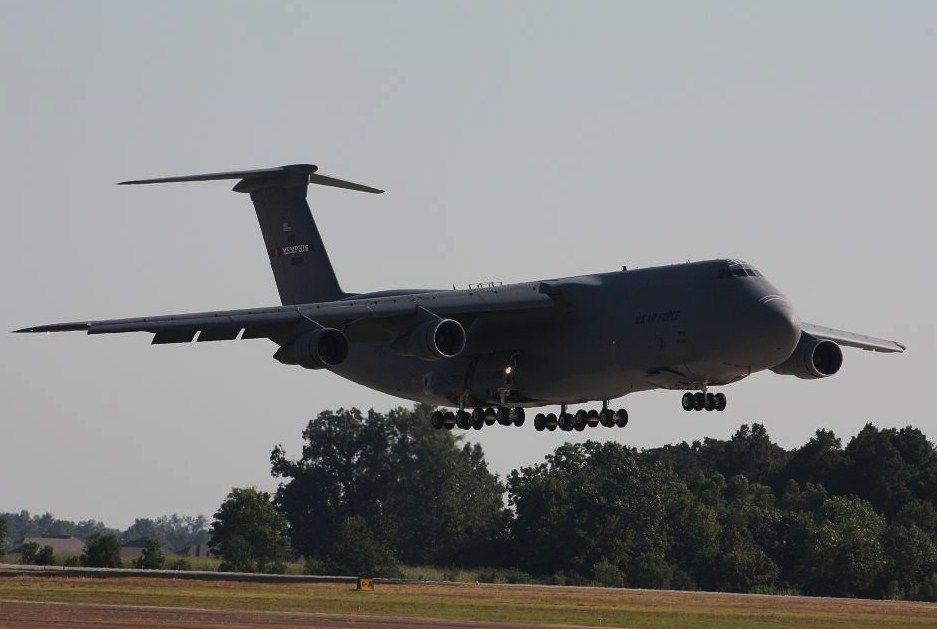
column 780, row 326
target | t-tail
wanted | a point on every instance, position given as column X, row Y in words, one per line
column 301, row 266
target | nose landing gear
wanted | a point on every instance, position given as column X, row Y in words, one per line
column 703, row 401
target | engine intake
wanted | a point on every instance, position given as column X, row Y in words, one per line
column 317, row 349
column 812, row 358
column 432, row 340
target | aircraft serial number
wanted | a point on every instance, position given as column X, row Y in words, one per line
column 657, row 317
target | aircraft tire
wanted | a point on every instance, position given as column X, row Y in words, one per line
column 565, row 422
column 504, row 416
column 710, row 403
column 478, row 423
column 699, row 401
column 550, row 422
column 519, row 416
column 463, row 420
column 539, row 421
column 621, row 418
column 592, row 418
column 581, row 419
column 721, row 401
column 436, row 419
column 449, row 420
column 687, row 401
column 479, row 414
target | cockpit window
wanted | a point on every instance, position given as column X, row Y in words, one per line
column 738, row 271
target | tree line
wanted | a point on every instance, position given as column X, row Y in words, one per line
column 369, row 491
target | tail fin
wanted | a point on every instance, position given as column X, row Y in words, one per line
column 300, row 264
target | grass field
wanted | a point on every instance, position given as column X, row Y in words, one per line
column 579, row 606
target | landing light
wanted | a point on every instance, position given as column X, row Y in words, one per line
column 508, row 370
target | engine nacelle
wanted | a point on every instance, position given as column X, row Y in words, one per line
column 432, row 340
column 317, row 349
column 812, row 358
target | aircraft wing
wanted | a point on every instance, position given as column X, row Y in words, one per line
column 851, row 339
column 282, row 322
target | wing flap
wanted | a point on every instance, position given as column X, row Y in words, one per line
column 851, row 339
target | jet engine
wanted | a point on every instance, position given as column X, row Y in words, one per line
column 432, row 340
column 812, row 358
column 316, row 349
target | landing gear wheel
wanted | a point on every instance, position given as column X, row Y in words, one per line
column 607, row 418
column 687, row 401
column 449, row 420
column 710, row 403
column 593, row 418
column 477, row 422
column 550, row 422
column 721, row 401
column 621, row 418
column 478, row 414
column 436, row 419
column 581, row 420
column 566, row 422
column 518, row 417
column 491, row 416
column 539, row 421
column 699, row 401
column 504, row 416
column 463, row 420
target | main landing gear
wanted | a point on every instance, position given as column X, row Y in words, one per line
column 478, row 418
column 700, row 401
column 581, row 419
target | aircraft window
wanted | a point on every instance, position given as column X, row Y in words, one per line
column 751, row 272
column 738, row 272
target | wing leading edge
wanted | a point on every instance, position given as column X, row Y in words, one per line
column 275, row 322
column 851, row 339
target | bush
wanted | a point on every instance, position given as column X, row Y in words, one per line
column 650, row 570
column 608, row 575
column 179, row 564
column 152, row 557
column 29, row 552
column 45, row 556
column 102, row 550
column 71, row 561
column 358, row 552
column 313, row 566
column 509, row 575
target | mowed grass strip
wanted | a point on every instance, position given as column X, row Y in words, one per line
column 577, row 606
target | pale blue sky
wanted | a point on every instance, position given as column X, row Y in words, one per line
column 516, row 141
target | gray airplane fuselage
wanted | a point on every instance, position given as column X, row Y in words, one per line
column 560, row 341
column 684, row 326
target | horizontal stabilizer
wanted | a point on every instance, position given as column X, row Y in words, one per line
column 308, row 171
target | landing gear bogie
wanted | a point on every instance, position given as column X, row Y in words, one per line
column 700, row 401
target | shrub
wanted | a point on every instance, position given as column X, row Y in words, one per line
column 102, row 550
column 179, row 564
column 45, row 556
column 152, row 557
column 29, row 552
column 607, row 574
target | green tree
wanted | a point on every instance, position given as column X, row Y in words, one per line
column 588, row 503
column 152, row 557
column 427, row 496
column 846, row 554
column 4, row 531
column 358, row 552
column 248, row 532
column 45, row 556
column 28, row 553
column 102, row 550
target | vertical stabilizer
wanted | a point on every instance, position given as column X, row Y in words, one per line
column 301, row 266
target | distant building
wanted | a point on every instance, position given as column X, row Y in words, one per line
column 198, row 550
column 133, row 548
column 62, row 545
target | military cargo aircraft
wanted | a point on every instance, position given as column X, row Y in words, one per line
column 490, row 351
